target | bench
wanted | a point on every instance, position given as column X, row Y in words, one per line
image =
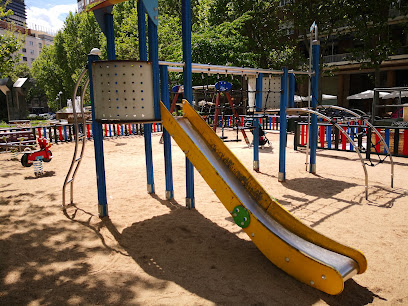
column 17, row 139
column 20, row 123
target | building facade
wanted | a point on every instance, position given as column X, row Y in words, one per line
column 343, row 77
column 19, row 16
column 34, row 41
column 348, row 77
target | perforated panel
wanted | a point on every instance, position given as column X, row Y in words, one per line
column 123, row 91
column 271, row 99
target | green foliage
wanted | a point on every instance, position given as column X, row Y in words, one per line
column 374, row 40
column 170, row 39
column 252, row 28
column 126, row 34
column 47, row 73
column 365, row 22
column 4, row 124
column 21, row 70
column 9, row 45
column 224, row 32
column 57, row 68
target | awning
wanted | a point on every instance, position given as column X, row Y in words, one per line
column 368, row 94
column 396, row 94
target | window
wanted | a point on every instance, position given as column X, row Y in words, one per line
column 40, row 45
column 24, row 50
column 284, row 2
column 31, row 43
column 31, row 51
column 32, row 59
column 24, row 59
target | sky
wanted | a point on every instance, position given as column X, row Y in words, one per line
column 48, row 15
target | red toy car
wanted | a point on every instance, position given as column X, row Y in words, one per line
column 43, row 154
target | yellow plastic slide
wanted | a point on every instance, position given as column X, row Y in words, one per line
column 292, row 246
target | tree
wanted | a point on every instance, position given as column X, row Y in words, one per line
column 21, row 70
column 256, row 25
column 9, row 45
column 373, row 38
column 57, row 68
column 126, row 30
column 47, row 74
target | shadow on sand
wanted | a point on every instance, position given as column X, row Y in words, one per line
column 215, row 264
column 46, row 262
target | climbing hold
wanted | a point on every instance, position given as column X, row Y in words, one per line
column 241, row 216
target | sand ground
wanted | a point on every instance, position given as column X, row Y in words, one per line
column 156, row 252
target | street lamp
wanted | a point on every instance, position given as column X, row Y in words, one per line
column 59, row 98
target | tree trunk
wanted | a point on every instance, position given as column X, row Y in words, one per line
column 377, row 76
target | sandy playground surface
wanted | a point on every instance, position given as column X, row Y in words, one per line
column 154, row 252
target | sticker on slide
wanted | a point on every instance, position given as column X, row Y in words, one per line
column 241, row 216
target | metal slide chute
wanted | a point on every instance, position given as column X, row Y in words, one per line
column 292, row 246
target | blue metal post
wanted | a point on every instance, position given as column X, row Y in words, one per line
column 386, row 138
column 188, row 90
column 154, row 58
column 147, row 127
column 291, row 99
column 283, row 126
column 328, row 136
column 105, row 20
column 255, row 123
column 98, row 147
column 141, row 21
column 259, row 96
column 164, row 79
column 315, row 95
column 110, row 37
column 351, row 131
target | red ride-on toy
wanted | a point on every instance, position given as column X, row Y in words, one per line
column 43, row 154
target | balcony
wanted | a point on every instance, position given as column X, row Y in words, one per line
column 345, row 58
column 335, row 58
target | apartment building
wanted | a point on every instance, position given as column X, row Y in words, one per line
column 35, row 40
column 348, row 77
column 343, row 77
column 19, row 16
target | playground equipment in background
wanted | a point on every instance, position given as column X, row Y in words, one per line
column 128, row 91
column 342, row 115
column 335, row 121
column 354, row 116
column 217, row 89
column 309, row 111
column 223, row 122
column 287, row 99
column 225, row 87
column 37, row 157
column 263, row 140
column 394, row 92
column 17, row 140
column 177, row 90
